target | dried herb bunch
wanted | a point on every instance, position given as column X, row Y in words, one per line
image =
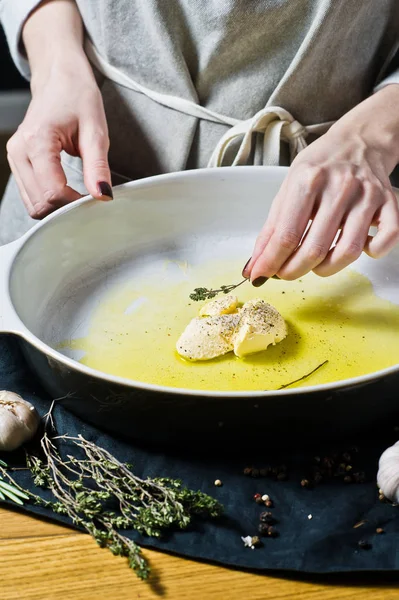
column 102, row 495
column 201, row 293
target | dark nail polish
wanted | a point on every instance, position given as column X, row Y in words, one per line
column 275, row 277
column 105, row 189
column 246, row 264
column 259, row 281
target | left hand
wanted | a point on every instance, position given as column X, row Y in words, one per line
column 336, row 188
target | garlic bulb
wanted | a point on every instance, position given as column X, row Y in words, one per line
column 19, row 421
column 388, row 473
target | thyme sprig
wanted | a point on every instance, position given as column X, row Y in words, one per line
column 103, row 496
column 202, row 293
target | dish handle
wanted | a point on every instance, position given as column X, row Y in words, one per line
column 9, row 321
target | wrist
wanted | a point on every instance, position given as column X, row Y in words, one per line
column 374, row 124
column 70, row 64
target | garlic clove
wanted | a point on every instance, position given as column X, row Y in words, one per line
column 388, row 473
column 19, row 421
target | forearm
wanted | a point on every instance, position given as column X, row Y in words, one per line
column 376, row 122
column 53, row 40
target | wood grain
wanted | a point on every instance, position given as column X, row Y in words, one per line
column 43, row 561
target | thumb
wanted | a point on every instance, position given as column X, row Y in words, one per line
column 94, row 145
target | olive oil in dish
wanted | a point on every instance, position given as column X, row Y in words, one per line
column 339, row 319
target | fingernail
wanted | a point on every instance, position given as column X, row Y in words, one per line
column 275, row 277
column 259, row 281
column 104, row 189
column 246, row 264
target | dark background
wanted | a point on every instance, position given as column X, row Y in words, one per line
column 10, row 80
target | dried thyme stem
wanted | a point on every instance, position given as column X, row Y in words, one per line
column 282, row 387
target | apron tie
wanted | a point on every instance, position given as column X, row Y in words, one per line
column 273, row 122
column 276, row 124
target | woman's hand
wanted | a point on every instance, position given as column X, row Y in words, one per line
column 66, row 113
column 336, row 188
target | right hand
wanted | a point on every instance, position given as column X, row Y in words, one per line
column 66, row 113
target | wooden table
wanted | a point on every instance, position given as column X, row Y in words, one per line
column 42, row 561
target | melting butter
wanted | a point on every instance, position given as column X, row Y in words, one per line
column 338, row 319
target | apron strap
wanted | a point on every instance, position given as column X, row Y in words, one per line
column 275, row 123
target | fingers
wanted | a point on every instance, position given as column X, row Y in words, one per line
column 35, row 163
column 311, row 212
column 266, row 232
column 293, row 207
column 354, row 231
column 387, row 236
column 21, row 187
column 374, row 207
column 336, row 197
column 94, row 146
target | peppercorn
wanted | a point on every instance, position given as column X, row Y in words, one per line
column 272, row 532
column 248, row 471
column 380, row 530
column 218, row 483
column 348, row 468
column 255, row 473
column 318, row 477
column 258, row 499
column 265, row 497
column 256, row 541
column 347, row 479
column 269, row 503
column 359, row 477
column 364, row 545
column 328, row 462
column 305, row 483
column 267, row 517
column 346, row 457
column 264, row 472
column 263, row 528
column 381, row 497
column 282, row 476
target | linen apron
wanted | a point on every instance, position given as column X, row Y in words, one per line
column 222, row 82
